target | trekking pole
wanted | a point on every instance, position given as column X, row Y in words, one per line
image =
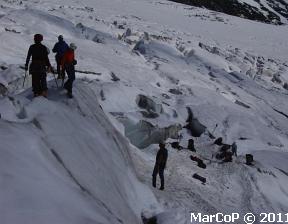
column 63, row 77
column 55, row 79
column 24, row 79
column 51, row 70
column 214, row 128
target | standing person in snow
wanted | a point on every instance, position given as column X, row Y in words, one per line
column 160, row 164
column 60, row 48
column 68, row 64
column 39, row 65
column 234, row 149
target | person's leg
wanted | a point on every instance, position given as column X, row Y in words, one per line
column 43, row 84
column 36, row 84
column 71, row 77
column 161, row 175
column 154, row 176
column 67, row 84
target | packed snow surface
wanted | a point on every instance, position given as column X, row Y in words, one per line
column 141, row 64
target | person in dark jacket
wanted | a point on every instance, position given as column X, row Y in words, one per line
column 160, row 164
column 60, row 48
column 68, row 64
column 39, row 65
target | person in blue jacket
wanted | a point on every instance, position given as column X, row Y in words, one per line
column 60, row 48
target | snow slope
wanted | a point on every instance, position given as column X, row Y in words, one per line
column 63, row 162
column 229, row 71
column 268, row 11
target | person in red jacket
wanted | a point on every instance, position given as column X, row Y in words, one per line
column 68, row 64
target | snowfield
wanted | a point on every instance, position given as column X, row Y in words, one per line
column 142, row 66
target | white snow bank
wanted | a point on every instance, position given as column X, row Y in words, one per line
column 66, row 164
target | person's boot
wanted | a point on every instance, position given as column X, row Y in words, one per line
column 162, row 182
column 69, row 94
column 45, row 93
column 65, row 86
column 154, row 181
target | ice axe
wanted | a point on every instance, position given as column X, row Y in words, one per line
column 55, row 79
column 53, row 72
column 62, row 74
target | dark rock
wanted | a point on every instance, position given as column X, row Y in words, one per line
column 243, row 138
column 3, row 90
column 152, row 220
column 149, row 114
column 117, row 114
column 242, row 104
column 115, row 78
column 166, row 96
column 127, row 33
column 98, row 39
column 244, row 10
column 175, row 115
column 212, row 75
column 193, row 125
column 175, row 91
column 102, row 95
column 12, row 30
column 140, row 47
column 3, row 67
column 121, row 26
column 276, row 78
column 148, row 104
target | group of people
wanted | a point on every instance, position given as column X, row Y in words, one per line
column 226, row 151
column 40, row 65
column 162, row 156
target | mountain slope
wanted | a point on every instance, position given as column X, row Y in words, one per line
column 145, row 62
column 57, row 161
column 268, row 11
